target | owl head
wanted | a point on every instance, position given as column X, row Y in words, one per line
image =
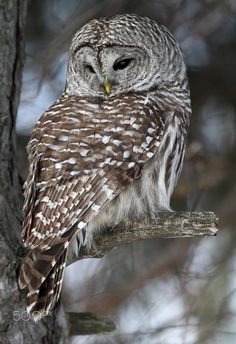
column 123, row 54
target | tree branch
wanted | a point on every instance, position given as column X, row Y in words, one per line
column 167, row 225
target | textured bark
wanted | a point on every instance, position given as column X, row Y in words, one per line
column 167, row 225
column 15, row 326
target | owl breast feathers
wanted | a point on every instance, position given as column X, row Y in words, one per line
column 98, row 160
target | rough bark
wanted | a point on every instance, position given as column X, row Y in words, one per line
column 15, row 326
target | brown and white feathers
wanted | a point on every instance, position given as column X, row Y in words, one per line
column 110, row 148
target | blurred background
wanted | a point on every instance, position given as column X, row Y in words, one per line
column 163, row 291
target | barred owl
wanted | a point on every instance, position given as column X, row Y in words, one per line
column 110, row 149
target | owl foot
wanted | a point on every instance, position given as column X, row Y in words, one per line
column 112, row 228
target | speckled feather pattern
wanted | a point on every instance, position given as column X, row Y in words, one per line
column 96, row 161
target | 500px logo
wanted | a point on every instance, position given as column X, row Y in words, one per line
column 25, row 316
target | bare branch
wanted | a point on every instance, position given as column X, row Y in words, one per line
column 88, row 323
column 167, row 225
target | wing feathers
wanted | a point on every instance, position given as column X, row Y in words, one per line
column 76, row 174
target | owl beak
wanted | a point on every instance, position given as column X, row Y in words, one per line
column 107, row 87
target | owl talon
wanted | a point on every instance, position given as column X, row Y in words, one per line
column 154, row 215
column 112, row 229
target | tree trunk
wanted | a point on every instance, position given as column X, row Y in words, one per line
column 15, row 325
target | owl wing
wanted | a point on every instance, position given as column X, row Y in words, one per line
column 70, row 183
column 79, row 163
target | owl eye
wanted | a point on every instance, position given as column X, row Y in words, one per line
column 122, row 64
column 90, row 68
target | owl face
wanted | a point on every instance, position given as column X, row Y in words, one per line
column 122, row 54
column 109, row 70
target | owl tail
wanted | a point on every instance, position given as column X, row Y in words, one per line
column 41, row 276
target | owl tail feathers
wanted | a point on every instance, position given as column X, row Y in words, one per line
column 42, row 278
